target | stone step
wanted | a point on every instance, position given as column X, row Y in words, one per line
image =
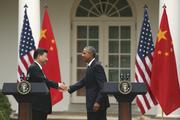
column 73, row 116
column 82, row 116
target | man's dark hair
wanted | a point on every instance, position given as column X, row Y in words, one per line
column 91, row 49
column 39, row 51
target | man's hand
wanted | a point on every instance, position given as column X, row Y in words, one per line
column 63, row 87
column 96, row 107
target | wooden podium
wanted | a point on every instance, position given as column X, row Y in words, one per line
column 124, row 100
column 24, row 101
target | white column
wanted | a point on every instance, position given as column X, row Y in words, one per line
column 33, row 12
column 172, row 9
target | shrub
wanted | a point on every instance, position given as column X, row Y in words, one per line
column 5, row 107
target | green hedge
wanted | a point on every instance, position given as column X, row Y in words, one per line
column 5, row 107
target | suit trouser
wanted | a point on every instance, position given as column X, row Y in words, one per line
column 39, row 115
column 100, row 115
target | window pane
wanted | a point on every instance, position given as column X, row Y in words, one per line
column 94, row 44
column 104, row 0
column 81, row 12
column 112, row 11
column 80, row 45
column 111, row 8
column 92, row 15
column 125, row 61
column 95, row 1
column 121, row 4
column 114, row 32
column 125, row 32
column 125, row 46
column 82, row 32
column 86, row 3
column 113, row 46
column 108, row 8
column 127, row 12
column 104, row 7
column 93, row 32
column 114, row 14
column 80, row 62
column 114, row 61
column 113, row 75
column 80, row 73
column 112, row 1
column 99, row 8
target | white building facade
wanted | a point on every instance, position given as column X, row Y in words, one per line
column 111, row 26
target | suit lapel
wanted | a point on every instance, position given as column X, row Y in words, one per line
column 93, row 63
column 40, row 70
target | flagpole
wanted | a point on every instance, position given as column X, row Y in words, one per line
column 162, row 117
column 162, row 114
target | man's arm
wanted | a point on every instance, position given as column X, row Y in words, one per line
column 35, row 75
column 76, row 86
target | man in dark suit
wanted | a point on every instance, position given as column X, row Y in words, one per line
column 96, row 102
column 41, row 105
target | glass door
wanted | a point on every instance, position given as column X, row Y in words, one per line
column 115, row 50
column 119, row 50
column 85, row 34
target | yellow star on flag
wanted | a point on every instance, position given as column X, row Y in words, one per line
column 53, row 41
column 43, row 34
column 51, row 48
column 161, row 35
column 159, row 52
column 166, row 54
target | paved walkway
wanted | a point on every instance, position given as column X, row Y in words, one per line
column 82, row 116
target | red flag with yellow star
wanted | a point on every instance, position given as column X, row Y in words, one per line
column 164, row 79
column 51, row 68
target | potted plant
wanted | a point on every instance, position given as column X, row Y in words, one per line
column 5, row 107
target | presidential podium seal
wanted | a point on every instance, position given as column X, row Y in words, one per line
column 125, row 87
column 23, row 87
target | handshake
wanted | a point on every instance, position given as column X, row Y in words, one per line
column 63, row 87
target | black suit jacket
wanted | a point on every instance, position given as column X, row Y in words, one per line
column 42, row 102
column 93, row 81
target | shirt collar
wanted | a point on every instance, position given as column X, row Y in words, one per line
column 38, row 65
column 89, row 64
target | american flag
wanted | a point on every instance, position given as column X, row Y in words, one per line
column 26, row 47
column 143, row 65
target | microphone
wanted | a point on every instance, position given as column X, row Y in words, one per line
column 22, row 77
column 27, row 77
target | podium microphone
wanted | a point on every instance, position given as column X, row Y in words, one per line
column 22, row 77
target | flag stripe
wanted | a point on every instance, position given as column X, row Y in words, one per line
column 144, row 97
column 26, row 48
column 143, row 65
column 142, row 78
column 30, row 58
column 147, row 69
column 142, row 108
column 142, row 69
column 24, row 62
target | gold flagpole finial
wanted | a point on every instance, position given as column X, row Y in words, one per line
column 145, row 6
column 46, row 4
column 164, row 6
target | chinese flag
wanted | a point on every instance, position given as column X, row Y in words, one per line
column 164, row 81
column 51, row 68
